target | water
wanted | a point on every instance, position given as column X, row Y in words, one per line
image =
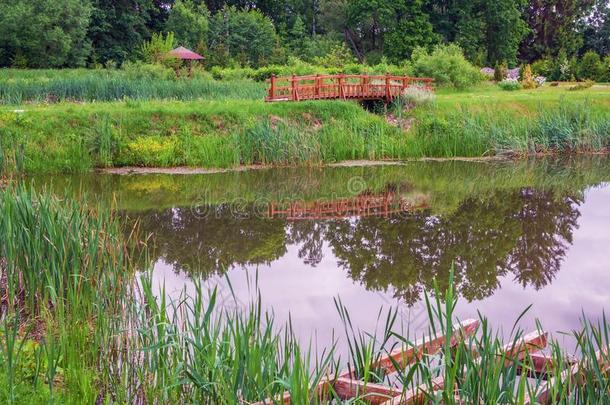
column 516, row 233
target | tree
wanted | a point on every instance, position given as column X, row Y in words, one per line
column 505, row 29
column 590, row 67
column 553, row 28
column 189, row 23
column 411, row 29
column 118, row 27
column 596, row 30
column 297, row 39
column 45, row 33
column 247, row 36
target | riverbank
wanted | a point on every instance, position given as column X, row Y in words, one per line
column 76, row 137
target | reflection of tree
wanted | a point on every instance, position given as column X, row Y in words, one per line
column 546, row 233
column 310, row 235
column 215, row 242
column 525, row 233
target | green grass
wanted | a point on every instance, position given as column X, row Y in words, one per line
column 38, row 86
column 68, row 137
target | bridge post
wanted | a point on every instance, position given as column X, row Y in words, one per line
column 341, row 93
column 293, row 83
column 317, row 86
column 272, row 88
column 388, row 90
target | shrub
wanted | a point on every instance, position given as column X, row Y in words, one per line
column 582, row 85
column 605, row 70
column 155, row 50
column 590, row 66
column 542, row 67
column 528, row 81
column 447, row 66
column 140, row 70
column 510, row 85
column 500, row 72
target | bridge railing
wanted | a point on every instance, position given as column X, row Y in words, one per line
column 324, row 87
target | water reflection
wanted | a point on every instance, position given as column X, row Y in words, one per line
column 524, row 233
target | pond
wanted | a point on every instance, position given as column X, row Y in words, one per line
column 515, row 233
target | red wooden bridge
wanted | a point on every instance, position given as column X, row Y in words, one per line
column 342, row 87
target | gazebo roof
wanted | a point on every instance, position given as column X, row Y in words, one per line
column 185, row 54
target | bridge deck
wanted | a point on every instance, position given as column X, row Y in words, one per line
column 342, row 87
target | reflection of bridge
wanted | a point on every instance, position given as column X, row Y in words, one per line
column 343, row 87
column 382, row 205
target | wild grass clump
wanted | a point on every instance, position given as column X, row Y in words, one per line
column 414, row 96
column 566, row 127
column 113, row 85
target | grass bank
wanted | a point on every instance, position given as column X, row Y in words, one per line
column 75, row 328
column 69, row 137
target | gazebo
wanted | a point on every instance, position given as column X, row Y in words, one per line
column 186, row 55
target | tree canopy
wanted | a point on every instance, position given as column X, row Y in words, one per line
column 66, row 33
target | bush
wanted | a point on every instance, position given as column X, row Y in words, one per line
column 605, row 70
column 140, row 70
column 542, row 67
column 590, row 66
column 528, row 81
column 156, row 50
column 447, row 66
column 500, row 72
column 510, row 85
column 582, row 86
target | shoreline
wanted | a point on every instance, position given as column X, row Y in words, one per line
column 187, row 170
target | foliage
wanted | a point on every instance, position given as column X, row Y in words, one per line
column 248, row 37
column 447, row 65
column 543, row 67
column 189, row 23
column 500, row 72
column 410, row 30
column 528, row 81
column 605, row 74
column 156, row 50
column 118, row 28
column 44, row 33
column 553, row 33
column 582, row 85
column 590, row 66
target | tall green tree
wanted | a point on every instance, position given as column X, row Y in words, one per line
column 44, row 33
column 118, row 27
column 505, row 29
column 554, row 27
column 189, row 23
column 411, row 29
column 596, row 29
column 246, row 36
